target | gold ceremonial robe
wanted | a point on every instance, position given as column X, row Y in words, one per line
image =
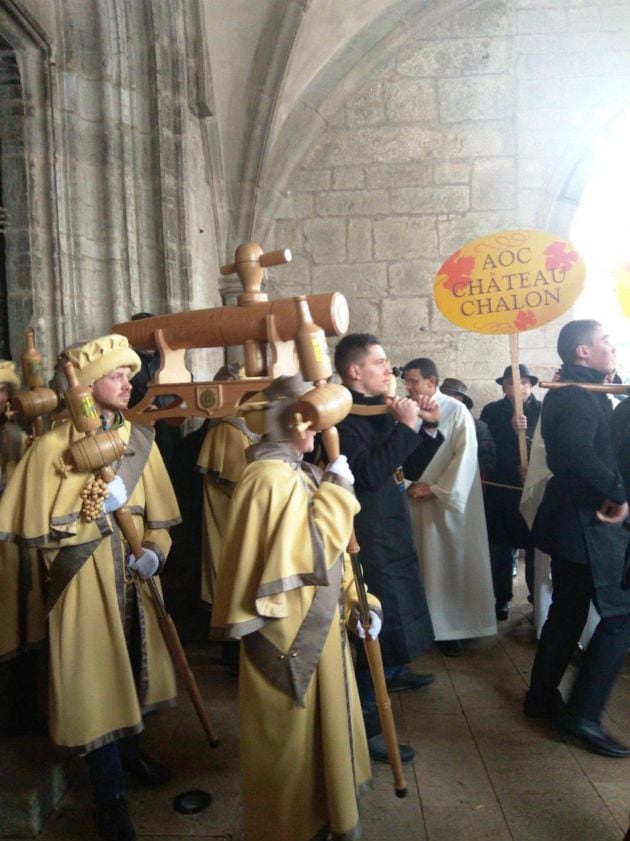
column 23, row 624
column 222, row 461
column 94, row 695
column 283, row 587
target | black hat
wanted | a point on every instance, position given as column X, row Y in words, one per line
column 451, row 386
column 524, row 372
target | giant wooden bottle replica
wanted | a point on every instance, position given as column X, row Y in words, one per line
column 34, row 400
column 327, row 403
column 100, row 447
column 265, row 329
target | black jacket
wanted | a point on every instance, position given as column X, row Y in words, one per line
column 486, row 448
column 576, row 428
column 376, row 446
column 505, row 523
column 621, row 448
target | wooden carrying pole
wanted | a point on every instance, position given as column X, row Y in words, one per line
column 598, row 388
column 95, row 453
column 372, row 646
column 124, row 518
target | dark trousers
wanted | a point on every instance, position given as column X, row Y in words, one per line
column 573, row 591
column 105, row 766
column 501, row 562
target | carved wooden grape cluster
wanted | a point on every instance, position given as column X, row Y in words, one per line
column 93, row 495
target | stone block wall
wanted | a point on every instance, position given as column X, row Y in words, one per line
column 472, row 127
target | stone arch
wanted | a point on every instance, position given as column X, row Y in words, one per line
column 336, row 82
column 613, row 122
column 565, row 190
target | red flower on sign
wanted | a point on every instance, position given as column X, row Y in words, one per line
column 525, row 319
column 457, row 270
column 558, row 257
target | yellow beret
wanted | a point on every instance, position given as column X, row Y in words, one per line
column 100, row 356
column 8, row 373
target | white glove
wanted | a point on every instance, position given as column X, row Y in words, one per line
column 340, row 467
column 117, row 495
column 375, row 626
column 146, row 565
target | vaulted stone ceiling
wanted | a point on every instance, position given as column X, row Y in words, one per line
column 280, row 69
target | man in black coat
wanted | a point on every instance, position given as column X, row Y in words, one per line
column 376, row 446
column 621, row 446
column 507, row 530
column 579, row 525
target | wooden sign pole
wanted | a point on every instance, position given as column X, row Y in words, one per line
column 518, row 397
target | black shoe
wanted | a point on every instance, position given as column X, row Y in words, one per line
column 501, row 611
column 147, row 771
column 451, row 648
column 113, row 822
column 408, row 680
column 378, row 751
column 550, row 707
column 591, row 735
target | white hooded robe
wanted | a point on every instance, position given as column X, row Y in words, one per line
column 450, row 532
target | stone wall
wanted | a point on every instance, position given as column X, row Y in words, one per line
column 471, row 127
column 118, row 156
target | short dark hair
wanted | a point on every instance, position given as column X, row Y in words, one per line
column 427, row 367
column 574, row 334
column 351, row 349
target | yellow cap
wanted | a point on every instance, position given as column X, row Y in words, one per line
column 100, row 356
column 8, row 373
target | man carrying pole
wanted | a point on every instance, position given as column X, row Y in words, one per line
column 376, row 446
column 579, row 525
column 285, row 588
column 108, row 663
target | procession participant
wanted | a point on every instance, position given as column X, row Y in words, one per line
column 448, row 520
column 578, row 525
column 221, row 461
column 284, row 586
column 486, row 448
column 506, row 528
column 377, row 446
column 538, row 474
column 620, row 430
column 23, row 626
column 108, row 664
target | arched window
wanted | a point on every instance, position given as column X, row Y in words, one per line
column 600, row 230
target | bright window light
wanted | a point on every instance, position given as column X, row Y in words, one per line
column 601, row 233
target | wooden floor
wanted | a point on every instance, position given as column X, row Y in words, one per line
column 482, row 770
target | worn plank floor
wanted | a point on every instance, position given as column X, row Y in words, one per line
column 482, row 770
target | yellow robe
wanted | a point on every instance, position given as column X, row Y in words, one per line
column 222, row 461
column 304, row 757
column 23, row 624
column 93, row 696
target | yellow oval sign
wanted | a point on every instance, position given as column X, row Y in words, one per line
column 623, row 288
column 509, row 282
